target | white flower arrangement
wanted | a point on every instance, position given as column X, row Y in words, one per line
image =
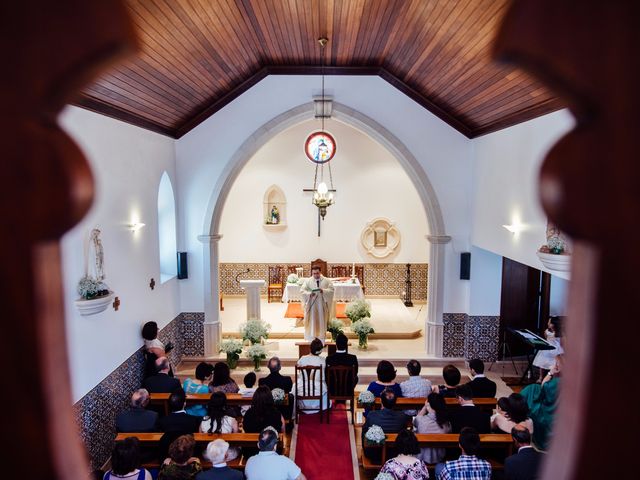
column 293, row 278
column 231, row 346
column 362, row 327
column 384, row 476
column 375, row 434
column 89, row 288
column 254, row 331
column 358, row 309
column 278, row 395
column 335, row 326
column 257, row 352
column 367, row 398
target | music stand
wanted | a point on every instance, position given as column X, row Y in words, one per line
column 504, row 347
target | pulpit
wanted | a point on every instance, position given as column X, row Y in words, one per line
column 252, row 287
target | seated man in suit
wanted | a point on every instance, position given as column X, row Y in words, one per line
column 161, row 382
column 343, row 358
column 481, row 386
column 137, row 418
column 179, row 421
column 276, row 380
column 390, row 420
column 468, row 415
column 525, row 464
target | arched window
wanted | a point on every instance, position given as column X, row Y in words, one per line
column 167, row 229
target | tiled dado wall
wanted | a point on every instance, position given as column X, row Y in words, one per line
column 97, row 410
column 470, row 336
column 379, row 278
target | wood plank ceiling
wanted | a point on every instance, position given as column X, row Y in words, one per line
column 198, row 55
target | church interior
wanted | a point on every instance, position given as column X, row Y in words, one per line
column 192, row 163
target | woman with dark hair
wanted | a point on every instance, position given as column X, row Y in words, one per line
column 433, row 418
column 153, row 348
column 545, row 359
column 263, row 413
column 511, row 411
column 125, row 461
column 313, row 359
column 204, row 371
column 222, row 381
column 217, row 420
column 181, row 464
column 451, row 376
column 405, row 466
column 386, row 374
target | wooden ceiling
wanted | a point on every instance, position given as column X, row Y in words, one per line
column 198, row 55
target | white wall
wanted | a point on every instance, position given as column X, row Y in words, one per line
column 445, row 156
column 127, row 163
column 506, row 170
column 369, row 181
column 486, row 282
column 559, row 292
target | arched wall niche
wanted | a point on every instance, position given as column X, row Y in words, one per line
column 434, row 243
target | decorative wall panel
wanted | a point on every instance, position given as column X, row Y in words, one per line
column 96, row 412
column 379, row 278
column 470, row 336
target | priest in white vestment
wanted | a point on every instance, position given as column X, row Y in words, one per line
column 317, row 300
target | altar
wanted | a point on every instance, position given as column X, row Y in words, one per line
column 343, row 291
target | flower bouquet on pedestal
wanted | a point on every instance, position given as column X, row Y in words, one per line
column 362, row 328
column 366, row 399
column 233, row 349
column 278, row 396
column 335, row 327
column 254, row 331
column 257, row 353
column 375, row 436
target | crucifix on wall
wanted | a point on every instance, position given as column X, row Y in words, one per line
column 322, row 209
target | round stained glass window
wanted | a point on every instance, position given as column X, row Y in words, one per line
column 320, row 147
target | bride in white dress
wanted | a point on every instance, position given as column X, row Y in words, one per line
column 313, row 360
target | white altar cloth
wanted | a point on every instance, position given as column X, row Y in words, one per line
column 342, row 291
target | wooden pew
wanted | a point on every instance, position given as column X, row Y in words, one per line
column 404, row 403
column 495, row 441
column 202, row 440
column 202, row 399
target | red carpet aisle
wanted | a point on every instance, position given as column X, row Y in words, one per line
column 324, row 451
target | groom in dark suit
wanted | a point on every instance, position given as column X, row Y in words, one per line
column 343, row 358
column 525, row 464
column 481, row 386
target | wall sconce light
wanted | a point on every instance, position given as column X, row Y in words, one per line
column 134, row 227
column 514, row 228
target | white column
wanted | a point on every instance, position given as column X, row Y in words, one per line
column 252, row 287
column 435, row 326
column 212, row 327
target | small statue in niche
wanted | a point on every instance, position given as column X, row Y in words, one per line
column 275, row 216
column 557, row 242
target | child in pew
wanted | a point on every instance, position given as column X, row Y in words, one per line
column 248, row 390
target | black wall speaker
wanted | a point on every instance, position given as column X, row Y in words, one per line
column 465, row 266
column 182, row 265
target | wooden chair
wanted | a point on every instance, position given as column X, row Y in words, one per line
column 340, row 386
column 275, row 282
column 320, row 263
column 339, row 271
column 308, row 388
column 360, row 275
column 292, row 269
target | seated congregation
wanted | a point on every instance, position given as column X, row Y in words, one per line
column 412, row 430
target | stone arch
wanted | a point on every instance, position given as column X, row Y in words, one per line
column 384, row 137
